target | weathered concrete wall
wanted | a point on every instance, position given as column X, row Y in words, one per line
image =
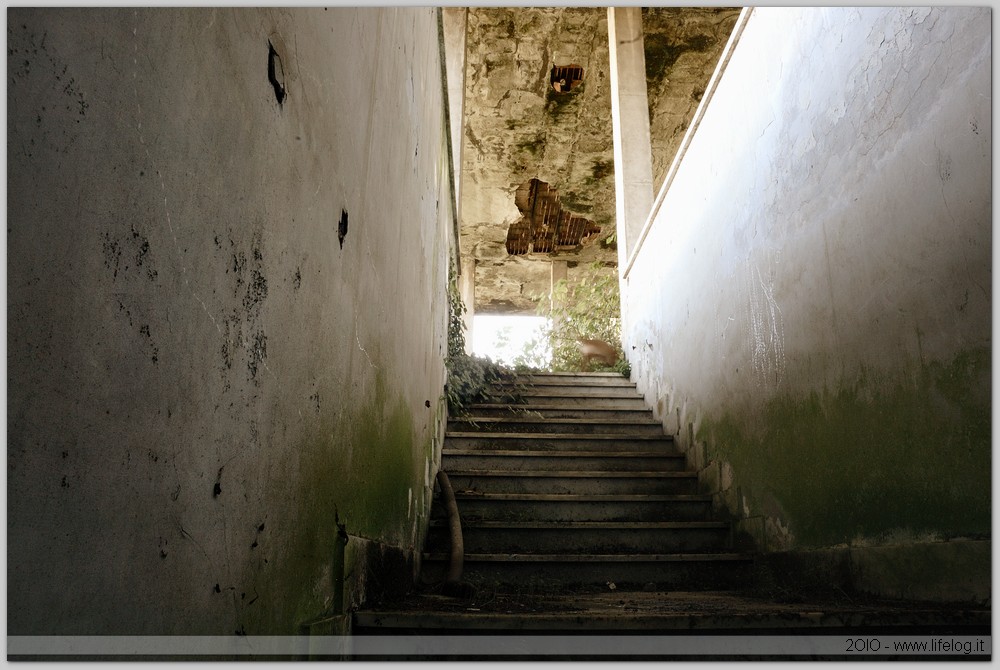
column 810, row 311
column 682, row 47
column 205, row 363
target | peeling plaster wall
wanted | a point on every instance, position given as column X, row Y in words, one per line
column 811, row 310
column 204, row 363
column 517, row 128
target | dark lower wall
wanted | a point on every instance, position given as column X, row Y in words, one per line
column 228, row 235
column 811, row 310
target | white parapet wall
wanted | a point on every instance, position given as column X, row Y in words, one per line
column 809, row 309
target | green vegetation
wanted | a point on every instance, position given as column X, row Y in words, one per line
column 469, row 377
column 661, row 53
column 533, row 145
column 602, row 168
column 559, row 103
column 588, row 308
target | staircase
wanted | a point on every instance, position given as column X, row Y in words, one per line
column 567, row 482
column 580, row 517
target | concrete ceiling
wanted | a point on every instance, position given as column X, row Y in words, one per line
column 518, row 128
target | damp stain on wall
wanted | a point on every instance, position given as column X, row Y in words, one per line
column 874, row 456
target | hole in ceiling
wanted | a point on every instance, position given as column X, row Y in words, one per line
column 544, row 226
column 564, row 78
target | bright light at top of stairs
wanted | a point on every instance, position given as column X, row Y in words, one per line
column 502, row 337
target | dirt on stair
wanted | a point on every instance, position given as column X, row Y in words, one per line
column 613, row 602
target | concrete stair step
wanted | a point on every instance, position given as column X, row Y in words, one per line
column 555, row 459
column 579, row 507
column 573, row 481
column 535, row 425
column 566, row 537
column 574, row 380
column 564, row 391
column 539, row 411
column 635, row 401
column 498, row 441
column 547, row 573
column 654, row 613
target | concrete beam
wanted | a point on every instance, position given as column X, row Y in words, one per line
column 630, row 125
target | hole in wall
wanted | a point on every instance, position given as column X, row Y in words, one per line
column 276, row 73
column 342, row 227
column 564, row 78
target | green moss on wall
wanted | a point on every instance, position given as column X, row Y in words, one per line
column 361, row 469
column 661, row 52
column 561, row 103
column 870, row 459
column 534, row 145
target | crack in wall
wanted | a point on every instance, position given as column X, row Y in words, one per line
column 159, row 174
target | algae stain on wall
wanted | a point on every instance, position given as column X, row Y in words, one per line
column 363, row 470
column 871, row 460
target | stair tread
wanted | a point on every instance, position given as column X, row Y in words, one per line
column 557, row 436
column 547, row 373
column 596, row 558
column 600, row 525
column 582, row 390
column 578, row 379
column 655, row 613
column 595, row 474
column 556, row 420
column 559, row 453
column 585, row 497
column 527, row 393
column 519, row 407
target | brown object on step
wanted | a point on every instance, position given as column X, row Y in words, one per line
column 597, row 350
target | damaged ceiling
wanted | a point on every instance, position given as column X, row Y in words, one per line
column 538, row 157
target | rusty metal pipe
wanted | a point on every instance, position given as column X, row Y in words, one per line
column 456, row 559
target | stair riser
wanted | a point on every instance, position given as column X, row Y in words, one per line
column 578, row 540
column 566, row 391
column 512, row 441
column 565, row 426
column 555, row 577
column 534, row 510
column 610, row 463
column 575, row 381
column 578, row 485
column 534, row 413
column 634, row 403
